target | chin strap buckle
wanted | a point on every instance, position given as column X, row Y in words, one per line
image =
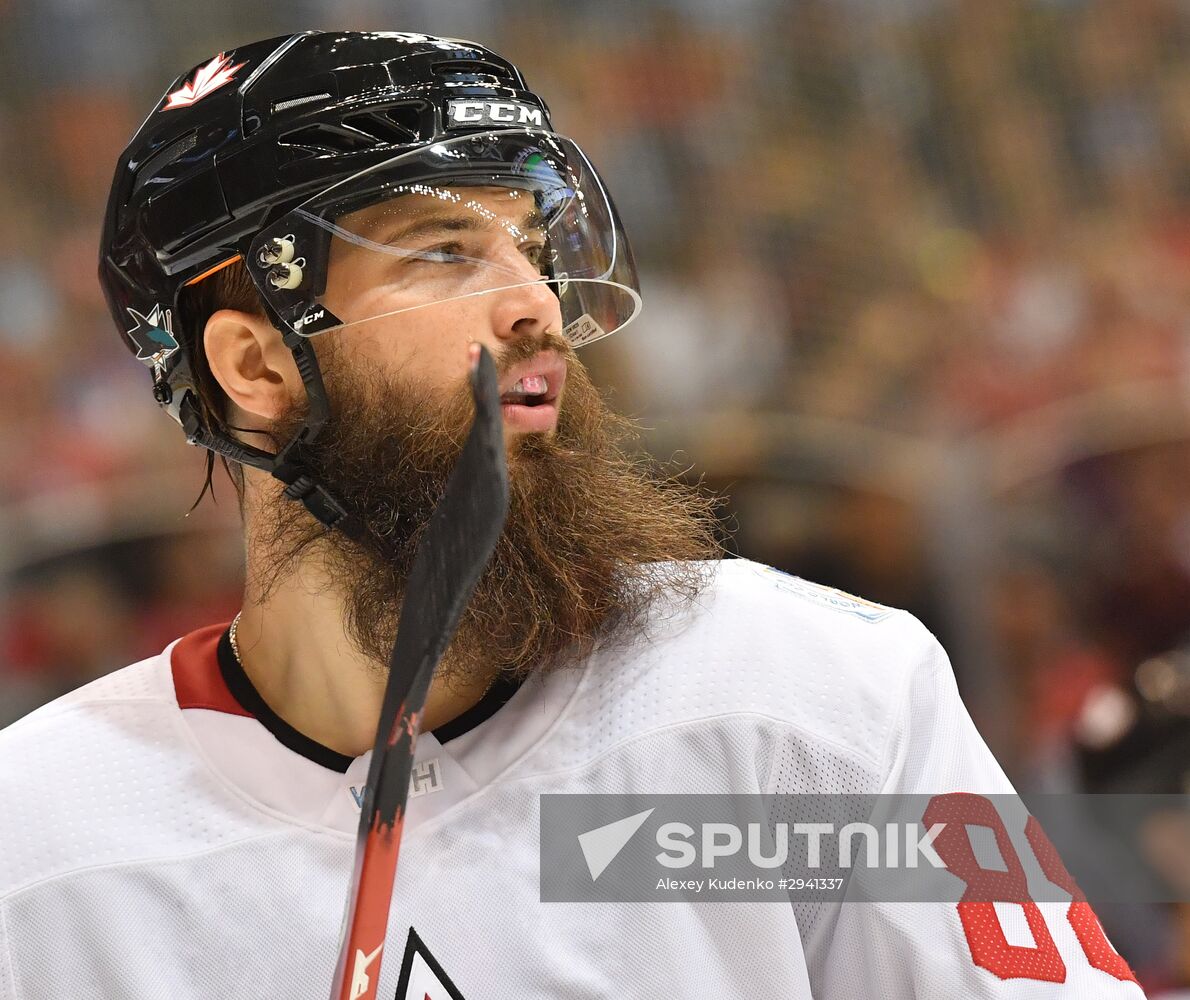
column 318, row 501
column 321, row 504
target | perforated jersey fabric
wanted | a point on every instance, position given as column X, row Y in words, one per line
column 155, row 842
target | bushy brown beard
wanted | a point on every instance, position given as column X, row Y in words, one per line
column 594, row 537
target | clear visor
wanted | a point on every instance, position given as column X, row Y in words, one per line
column 509, row 211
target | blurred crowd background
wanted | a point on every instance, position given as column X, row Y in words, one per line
column 917, row 303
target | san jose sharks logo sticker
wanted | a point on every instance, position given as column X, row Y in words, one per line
column 153, row 335
column 422, row 978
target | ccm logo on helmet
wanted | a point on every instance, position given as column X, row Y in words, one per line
column 315, row 320
column 311, row 317
column 492, row 113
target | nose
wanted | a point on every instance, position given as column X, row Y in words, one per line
column 528, row 309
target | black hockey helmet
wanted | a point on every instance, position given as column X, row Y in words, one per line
column 267, row 153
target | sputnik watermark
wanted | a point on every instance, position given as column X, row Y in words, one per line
column 894, row 845
column 951, row 847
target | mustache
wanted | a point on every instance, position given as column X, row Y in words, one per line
column 525, row 348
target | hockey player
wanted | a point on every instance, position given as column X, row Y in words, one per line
column 303, row 240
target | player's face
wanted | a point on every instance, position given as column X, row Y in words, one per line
column 588, row 528
column 465, row 266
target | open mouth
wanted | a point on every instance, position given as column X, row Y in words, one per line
column 532, row 390
column 530, row 401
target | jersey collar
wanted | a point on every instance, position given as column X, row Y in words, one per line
column 208, row 675
column 278, row 775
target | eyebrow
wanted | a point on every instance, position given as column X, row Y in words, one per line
column 440, row 223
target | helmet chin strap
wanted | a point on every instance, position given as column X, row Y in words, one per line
column 317, row 499
column 289, row 465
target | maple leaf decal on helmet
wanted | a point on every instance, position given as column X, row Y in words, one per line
column 206, row 80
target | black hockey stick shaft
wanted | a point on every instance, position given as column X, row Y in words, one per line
column 458, row 542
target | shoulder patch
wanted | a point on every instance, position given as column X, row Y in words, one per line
column 827, row 597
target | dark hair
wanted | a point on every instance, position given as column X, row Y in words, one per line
column 228, row 288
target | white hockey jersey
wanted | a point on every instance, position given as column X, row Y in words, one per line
column 158, row 841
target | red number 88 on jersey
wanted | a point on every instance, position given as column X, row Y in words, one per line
column 989, row 946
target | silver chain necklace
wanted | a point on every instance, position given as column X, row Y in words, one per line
column 231, row 634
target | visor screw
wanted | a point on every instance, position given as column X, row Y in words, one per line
column 278, row 250
column 285, row 277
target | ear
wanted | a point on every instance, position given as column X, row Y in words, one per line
column 252, row 364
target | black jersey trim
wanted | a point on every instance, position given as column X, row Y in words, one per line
column 250, row 700
column 243, row 690
column 496, row 698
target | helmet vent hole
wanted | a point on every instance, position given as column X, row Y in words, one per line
column 398, row 124
column 393, row 125
column 325, row 137
column 408, row 117
column 473, row 71
column 149, row 170
column 295, row 102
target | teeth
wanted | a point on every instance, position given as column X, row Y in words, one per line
column 531, row 385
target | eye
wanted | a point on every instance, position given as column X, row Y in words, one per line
column 443, row 253
column 540, row 255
